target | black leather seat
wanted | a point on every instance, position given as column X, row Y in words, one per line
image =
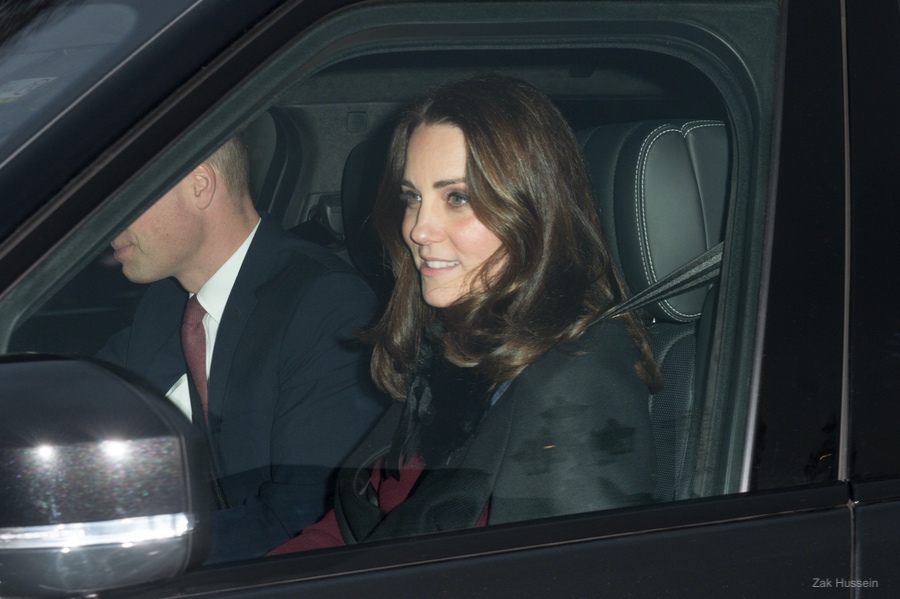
column 355, row 232
column 661, row 188
column 359, row 187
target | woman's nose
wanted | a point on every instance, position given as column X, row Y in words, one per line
column 427, row 226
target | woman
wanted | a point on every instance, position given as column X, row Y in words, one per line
column 513, row 402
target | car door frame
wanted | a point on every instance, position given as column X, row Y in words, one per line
column 656, row 549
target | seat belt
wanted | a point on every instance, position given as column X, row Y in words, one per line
column 695, row 273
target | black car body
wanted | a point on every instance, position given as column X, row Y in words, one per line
column 797, row 477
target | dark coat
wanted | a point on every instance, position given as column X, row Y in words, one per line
column 289, row 391
column 570, row 434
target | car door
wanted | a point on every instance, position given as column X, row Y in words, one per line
column 789, row 532
column 770, row 516
column 874, row 86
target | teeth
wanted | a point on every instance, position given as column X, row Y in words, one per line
column 440, row 264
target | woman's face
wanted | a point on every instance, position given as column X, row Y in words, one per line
column 448, row 243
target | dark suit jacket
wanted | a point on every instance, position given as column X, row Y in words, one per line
column 289, row 391
column 570, row 434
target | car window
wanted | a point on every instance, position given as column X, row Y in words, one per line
column 57, row 60
column 81, row 315
column 632, row 80
column 53, row 54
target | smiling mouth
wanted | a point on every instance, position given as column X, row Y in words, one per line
column 440, row 263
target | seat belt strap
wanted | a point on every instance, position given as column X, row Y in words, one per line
column 696, row 273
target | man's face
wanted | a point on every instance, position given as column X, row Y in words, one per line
column 164, row 241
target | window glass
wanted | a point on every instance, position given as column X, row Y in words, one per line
column 52, row 56
column 82, row 314
column 676, row 133
column 57, row 59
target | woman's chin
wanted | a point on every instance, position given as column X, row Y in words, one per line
column 440, row 298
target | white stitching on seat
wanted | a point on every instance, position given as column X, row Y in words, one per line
column 640, row 208
column 640, row 176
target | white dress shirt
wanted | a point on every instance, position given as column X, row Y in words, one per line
column 212, row 296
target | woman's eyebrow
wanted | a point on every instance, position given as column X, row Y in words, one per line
column 437, row 184
column 447, row 182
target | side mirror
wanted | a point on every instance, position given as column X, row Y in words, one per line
column 95, row 475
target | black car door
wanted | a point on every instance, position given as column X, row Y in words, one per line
column 773, row 515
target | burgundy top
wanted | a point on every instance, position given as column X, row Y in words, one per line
column 391, row 493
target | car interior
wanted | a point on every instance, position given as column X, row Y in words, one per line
column 708, row 128
column 656, row 136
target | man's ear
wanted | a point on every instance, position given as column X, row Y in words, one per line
column 203, row 185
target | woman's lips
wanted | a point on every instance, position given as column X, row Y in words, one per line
column 433, row 267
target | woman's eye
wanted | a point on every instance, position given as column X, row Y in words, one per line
column 457, row 199
column 409, row 197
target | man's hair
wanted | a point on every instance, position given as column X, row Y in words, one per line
column 552, row 276
column 232, row 161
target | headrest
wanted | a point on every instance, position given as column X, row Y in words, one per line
column 359, row 188
column 661, row 189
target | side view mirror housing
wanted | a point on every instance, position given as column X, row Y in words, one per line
column 95, row 475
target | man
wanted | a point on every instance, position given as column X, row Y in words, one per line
column 285, row 394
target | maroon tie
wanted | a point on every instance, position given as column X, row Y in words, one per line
column 193, row 341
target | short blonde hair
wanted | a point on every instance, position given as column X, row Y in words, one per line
column 232, row 161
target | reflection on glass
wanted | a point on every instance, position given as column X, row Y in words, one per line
column 46, row 452
column 53, row 62
column 116, row 450
column 126, row 532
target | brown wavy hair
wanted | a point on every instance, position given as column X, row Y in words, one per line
column 527, row 183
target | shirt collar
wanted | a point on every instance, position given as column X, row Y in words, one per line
column 214, row 294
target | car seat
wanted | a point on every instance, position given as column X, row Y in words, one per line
column 661, row 189
column 359, row 187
